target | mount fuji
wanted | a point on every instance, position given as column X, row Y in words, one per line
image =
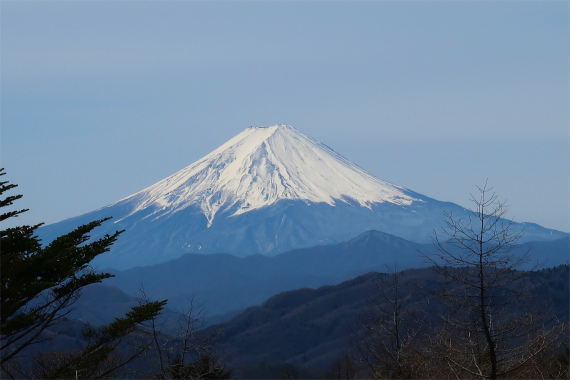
column 265, row 191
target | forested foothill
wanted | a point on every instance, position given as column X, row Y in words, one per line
column 477, row 311
column 328, row 331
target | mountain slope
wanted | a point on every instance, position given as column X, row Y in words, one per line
column 259, row 167
column 314, row 326
column 267, row 190
column 225, row 283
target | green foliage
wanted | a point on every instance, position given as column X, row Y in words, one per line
column 138, row 314
column 8, row 201
column 98, row 358
column 39, row 287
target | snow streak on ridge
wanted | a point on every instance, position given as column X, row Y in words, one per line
column 259, row 167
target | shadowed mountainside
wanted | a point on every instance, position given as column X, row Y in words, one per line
column 226, row 283
column 310, row 328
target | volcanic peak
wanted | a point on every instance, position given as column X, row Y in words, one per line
column 260, row 166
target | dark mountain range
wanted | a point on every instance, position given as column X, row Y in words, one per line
column 550, row 253
column 308, row 329
column 228, row 283
column 299, row 332
column 225, row 282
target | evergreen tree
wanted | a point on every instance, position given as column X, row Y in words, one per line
column 39, row 286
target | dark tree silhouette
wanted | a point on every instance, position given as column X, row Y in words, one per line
column 39, row 287
column 489, row 330
column 186, row 350
column 390, row 341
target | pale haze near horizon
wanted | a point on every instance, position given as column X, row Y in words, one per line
column 102, row 99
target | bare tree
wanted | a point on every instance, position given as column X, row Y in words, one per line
column 185, row 348
column 388, row 345
column 343, row 368
column 491, row 328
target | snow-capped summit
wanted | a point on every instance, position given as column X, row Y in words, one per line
column 265, row 191
column 260, row 166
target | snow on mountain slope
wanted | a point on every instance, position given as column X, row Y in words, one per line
column 265, row 191
column 259, row 167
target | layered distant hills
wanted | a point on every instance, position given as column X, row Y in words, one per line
column 306, row 330
column 315, row 326
column 265, row 191
column 226, row 283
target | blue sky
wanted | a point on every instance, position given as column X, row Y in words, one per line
column 100, row 99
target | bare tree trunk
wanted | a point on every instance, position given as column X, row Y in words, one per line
column 480, row 261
